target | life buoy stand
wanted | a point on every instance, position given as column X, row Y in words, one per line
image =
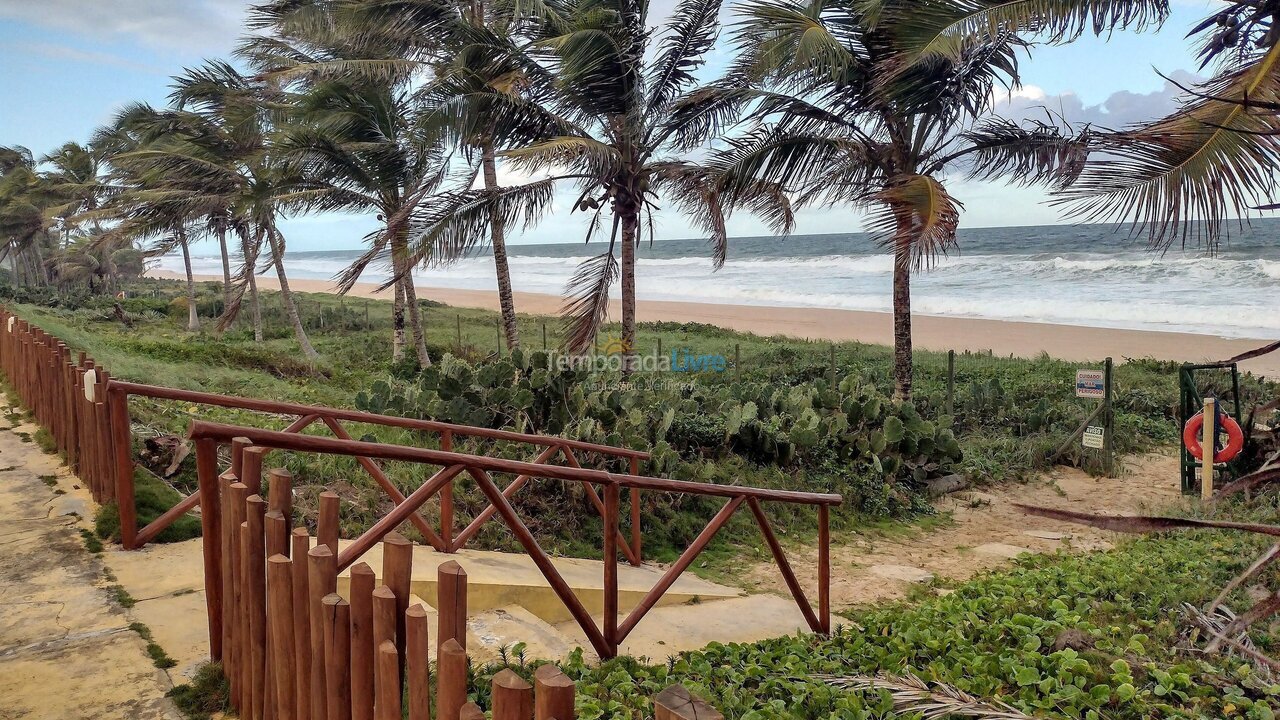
column 1192, row 432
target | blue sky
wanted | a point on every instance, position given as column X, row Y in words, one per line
column 69, row 65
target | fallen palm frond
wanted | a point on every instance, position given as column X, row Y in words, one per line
column 936, row 700
column 1143, row 523
column 1264, row 560
column 1261, row 476
column 1217, row 624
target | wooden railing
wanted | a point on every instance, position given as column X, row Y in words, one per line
column 292, row 647
column 251, row 442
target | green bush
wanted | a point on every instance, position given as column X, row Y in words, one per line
column 153, row 498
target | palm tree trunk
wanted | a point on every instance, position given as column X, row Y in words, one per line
column 400, row 251
column 902, row 359
column 630, row 226
column 226, row 269
column 397, row 321
column 497, row 236
column 286, row 296
column 193, row 315
column 250, row 253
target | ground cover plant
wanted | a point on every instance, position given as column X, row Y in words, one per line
column 789, row 414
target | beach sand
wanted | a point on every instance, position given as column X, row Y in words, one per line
column 1024, row 339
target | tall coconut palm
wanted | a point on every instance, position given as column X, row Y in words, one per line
column 363, row 142
column 76, row 176
column 25, row 228
column 874, row 105
column 596, row 107
column 1186, row 176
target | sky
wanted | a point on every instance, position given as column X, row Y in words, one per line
column 70, row 65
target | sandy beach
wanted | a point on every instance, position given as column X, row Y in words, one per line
column 1024, row 339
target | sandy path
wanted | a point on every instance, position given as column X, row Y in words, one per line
column 984, row 531
column 66, row 648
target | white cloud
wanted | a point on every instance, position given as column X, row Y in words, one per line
column 1118, row 110
column 198, row 25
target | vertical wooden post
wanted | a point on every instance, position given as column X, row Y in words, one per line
column 397, row 572
column 251, row 468
column 636, row 537
column 362, row 645
column 471, row 711
column 951, row 382
column 387, row 679
column 327, row 522
column 280, row 493
column 277, row 532
column 417, row 662
column 280, row 633
column 384, row 615
column 302, row 621
column 610, row 628
column 553, row 694
column 211, row 540
column 446, row 499
column 238, row 446
column 451, row 604
column 322, row 580
column 1108, row 447
column 256, row 558
column 824, row 569
column 243, row 613
column 1208, row 438
column 121, row 441
column 237, row 657
column 512, row 697
column 337, row 655
column 544, row 336
column 451, row 680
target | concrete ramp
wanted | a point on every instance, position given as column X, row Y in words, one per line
column 500, row 580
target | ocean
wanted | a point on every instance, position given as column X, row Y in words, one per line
column 1092, row 275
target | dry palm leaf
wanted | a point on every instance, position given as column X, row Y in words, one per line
column 1143, row 523
column 939, row 700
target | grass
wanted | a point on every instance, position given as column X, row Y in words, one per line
column 207, row 694
column 157, row 654
column 91, row 541
column 122, row 596
column 152, row 497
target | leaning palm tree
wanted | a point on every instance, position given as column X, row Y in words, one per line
column 363, row 142
column 596, row 107
column 1186, row 176
column 76, row 176
column 25, row 228
column 874, row 105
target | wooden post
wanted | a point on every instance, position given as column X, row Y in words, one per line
column 471, row 711
column 1207, row 440
column 1108, row 447
column 387, row 679
column 677, row 703
column 951, row 382
column 451, row 680
column 280, row 632
column 362, row 645
column 451, row 604
column 417, row 662
column 636, row 537
column 256, row 570
column 121, row 440
column 244, row 669
column 251, row 468
column 610, row 628
column 327, row 523
column 337, row 656
column 544, row 336
column 211, row 542
column 280, row 493
column 397, row 574
column 235, row 657
column 277, row 530
column 446, row 499
column 302, row 621
column 322, row 580
column 553, row 694
column 824, row 568
column 384, row 615
column 512, row 697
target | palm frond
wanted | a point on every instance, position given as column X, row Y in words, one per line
column 999, row 149
column 588, row 304
column 689, row 36
column 457, row 222
column 917, row 214
column 931, row 701
column 1186, row 174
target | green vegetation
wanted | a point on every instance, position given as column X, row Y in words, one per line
column 1062, row 636
column 157, row 654
column 208, row 693
column 778, row 419
column 152, row 497
column 92, row 542
column 122, row 596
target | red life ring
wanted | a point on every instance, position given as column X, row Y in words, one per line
column 1192, row 432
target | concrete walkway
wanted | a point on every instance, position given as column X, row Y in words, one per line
column 66, row 648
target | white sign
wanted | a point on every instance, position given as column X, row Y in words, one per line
column 1090, row 384
column 1092, row 437
column 90, row 379
column 10, row 324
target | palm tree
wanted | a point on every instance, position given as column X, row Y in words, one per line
column 75, row 175
column 363, row 142
column 873, row 105
column 596, row 106
column 1186, row 176
column 25, row 228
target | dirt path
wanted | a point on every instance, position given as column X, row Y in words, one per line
column 66, row 646
column 983, row 531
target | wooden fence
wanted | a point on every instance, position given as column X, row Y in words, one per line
column 292, row 647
